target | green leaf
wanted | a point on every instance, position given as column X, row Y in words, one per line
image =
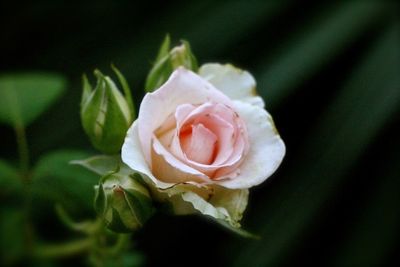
column 25, row 96
column 10, row 181
column 100, row 164
column 56, row 180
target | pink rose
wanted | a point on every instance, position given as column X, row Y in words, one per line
column 201, row 147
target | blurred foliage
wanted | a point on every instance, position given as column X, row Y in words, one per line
column 57, row 181
column 328, row 71
column 23, row 97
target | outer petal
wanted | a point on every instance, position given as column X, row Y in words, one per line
column 132, row 156
column 183, row 87
column 234, row 201
column 266, row 148
column 237, row 84
column 217, row 202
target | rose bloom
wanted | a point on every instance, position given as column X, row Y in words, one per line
column 201, row 140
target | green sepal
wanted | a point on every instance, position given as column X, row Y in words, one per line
column 116, row 224
column 182, row 56
column 104, row 164
column 127, row 90
column 164, row 48
column 123, row 202
column 160, row 72
column 237, row 230
column 100, row 201
column 87, row 89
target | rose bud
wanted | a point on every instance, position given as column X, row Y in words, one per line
column 169, row 60
column 123, row 202
column 182, row 56
column 105, row 113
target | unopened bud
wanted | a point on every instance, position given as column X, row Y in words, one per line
column 123, row 202
column 105, row 113
column 167, row 61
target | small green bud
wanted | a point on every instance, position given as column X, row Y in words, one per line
column 182, row 56
column 167, row 61
column 105, row 113
column 123, row 202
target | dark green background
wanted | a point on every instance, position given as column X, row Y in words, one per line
column 329, row 74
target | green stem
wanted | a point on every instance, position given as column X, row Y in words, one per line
column 62, row 250
column 23, row 151
column 122, row 241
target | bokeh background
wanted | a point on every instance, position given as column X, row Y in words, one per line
column 329, row 73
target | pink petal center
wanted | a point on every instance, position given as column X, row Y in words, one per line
column 199, row 144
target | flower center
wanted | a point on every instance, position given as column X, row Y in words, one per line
column 199, row 143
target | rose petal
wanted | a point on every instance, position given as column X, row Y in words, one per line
column 228, row 127
column 167, row 168
column 183, row 87
column 266, row 148
column 237, row 84
column 174, row 196
column 182, row 112
column 226, row 205
column 132, row 156
column 221, row 124
column 200, row 144
column 234, row 201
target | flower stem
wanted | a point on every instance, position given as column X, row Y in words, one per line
column 62, row 250
column 23, row 151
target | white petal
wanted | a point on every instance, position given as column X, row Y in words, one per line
column 226, row 205
column 183, row 87
column 205, row 207
column 266, row 148
column 237, row 84
column 234, row 201
column 132, row 156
